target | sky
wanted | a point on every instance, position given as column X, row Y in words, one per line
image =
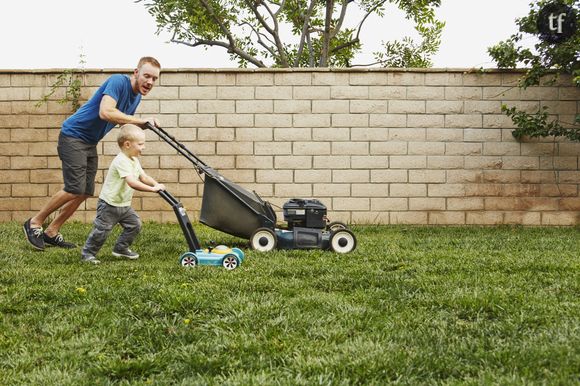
column 44, row 34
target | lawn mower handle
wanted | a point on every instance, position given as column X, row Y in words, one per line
column 174, row 143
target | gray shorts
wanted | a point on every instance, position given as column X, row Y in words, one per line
column 79, row 165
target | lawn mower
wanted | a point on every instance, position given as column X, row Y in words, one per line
column 231, row 209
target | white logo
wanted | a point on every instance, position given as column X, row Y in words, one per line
column 560, row 18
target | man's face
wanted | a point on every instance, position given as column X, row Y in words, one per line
column 145, row 77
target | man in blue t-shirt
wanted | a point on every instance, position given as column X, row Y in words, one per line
column 114, row 103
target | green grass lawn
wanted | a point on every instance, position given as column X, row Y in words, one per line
column 412, row 305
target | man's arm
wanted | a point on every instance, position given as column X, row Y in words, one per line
column 109, row 112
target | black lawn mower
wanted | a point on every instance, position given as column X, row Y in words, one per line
column 231, row 209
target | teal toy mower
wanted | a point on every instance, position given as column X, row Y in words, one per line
column 229, row 258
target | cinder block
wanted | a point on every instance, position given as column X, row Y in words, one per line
column 408, row 190
column 425, row 203
column 426, row 148
column 349, row 92
column 389, row 175
column 312, row 176
column 213, row 79
column 235, row 120
column 331, row 162
column 408, row 218
column 274, row 176
column 218, row 107
column 254, row 162
column 293, row 78
column 292, row 106
column 199, row 92
column 369, row 162
column 352, row 148
column 389, row 204
column 370, row 190
column 427, row 93
column 311, row 92
column 273, row 120
column 311, row 120
column 293, row 162
column 293, row 190
column 274, row 92
column 238, row 93
column 342, row 176
column 255, row 79
column 311, row 148
column 427, row 176
column 367, row 106
column 406, row 107
column 350, row 203
column 446, row 218
column 408, row 162
column 332, row 190
column 178, row 79
column 350, row 120
column 272, row 148
column 444, row 107
column 387, row 92
column 388, row 120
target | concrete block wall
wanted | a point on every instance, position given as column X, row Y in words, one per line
column 376, row 146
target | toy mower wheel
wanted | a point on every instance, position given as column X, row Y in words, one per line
column 188, row 260
column 336, row 225
column 342, row 241
column 263, row 240
column 230, row 262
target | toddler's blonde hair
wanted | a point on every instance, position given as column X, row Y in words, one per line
column 128, row 132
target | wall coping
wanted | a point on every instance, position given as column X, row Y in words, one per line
column 274, row 70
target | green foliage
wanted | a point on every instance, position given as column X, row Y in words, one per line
column 294, row 33
column 544, row 64
column 411, row 305
column 72, row 81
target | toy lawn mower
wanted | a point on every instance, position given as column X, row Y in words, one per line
column 231, row 209
column 229, row 258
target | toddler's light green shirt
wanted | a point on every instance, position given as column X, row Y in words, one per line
column 116, row 191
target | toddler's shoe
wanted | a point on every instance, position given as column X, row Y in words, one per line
column 129, row 254
column 90, row 259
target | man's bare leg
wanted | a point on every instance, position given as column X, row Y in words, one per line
column 64, row 214
column 57, row 201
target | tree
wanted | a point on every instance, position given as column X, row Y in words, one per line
column 294, row 33
column 549, row 59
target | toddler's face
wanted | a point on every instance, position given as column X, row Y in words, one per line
column 137, row 146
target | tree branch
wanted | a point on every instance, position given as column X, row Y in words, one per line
column 231, row 49
column 282, row 57
column 304, row 31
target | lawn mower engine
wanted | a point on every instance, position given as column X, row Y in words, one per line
column 307, row 228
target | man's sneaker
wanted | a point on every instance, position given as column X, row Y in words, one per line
column 90, row 259
column 57, row 241
column 34, row 236
column 129, row 254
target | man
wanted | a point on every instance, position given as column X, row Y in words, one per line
column 114, row 103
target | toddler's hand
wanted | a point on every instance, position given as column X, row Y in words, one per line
column 159, row 187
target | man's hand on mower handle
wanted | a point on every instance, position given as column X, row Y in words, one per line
column 151, row 121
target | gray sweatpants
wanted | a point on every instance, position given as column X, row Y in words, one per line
column 107, row 217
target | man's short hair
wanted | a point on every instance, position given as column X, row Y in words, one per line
column 148, row 59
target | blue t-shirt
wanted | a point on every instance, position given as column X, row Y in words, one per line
column 86, row 124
